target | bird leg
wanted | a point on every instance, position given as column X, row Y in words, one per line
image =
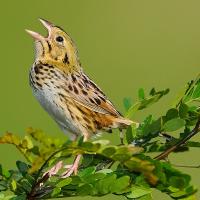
column 54, row 170
column 72, row 168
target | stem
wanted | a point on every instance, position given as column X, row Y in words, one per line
column 44, row 178
column 25, row 156
column 187, row 166
column 194, row 131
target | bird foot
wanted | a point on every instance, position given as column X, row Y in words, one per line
column 71, row 169
column 54, row 170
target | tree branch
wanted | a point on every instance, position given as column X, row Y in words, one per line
column 194, row 131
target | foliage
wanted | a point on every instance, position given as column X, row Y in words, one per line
column 128, row 170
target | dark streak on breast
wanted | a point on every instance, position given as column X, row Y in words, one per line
column 75, row 90
column 73, row 78
column 70, row 87
column 84, row 92
column 36, row 69
column 39, row 84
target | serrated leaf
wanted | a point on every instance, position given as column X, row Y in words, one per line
column 173, row 125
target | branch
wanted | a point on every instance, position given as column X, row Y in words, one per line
column 194, row 131
column 38, row 182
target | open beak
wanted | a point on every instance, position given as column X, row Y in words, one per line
column 37, row 36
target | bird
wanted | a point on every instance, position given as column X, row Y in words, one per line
column 72, row 99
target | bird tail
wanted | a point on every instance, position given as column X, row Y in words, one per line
column 125, row 122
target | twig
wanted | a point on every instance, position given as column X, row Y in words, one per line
column 45, row 177
column 164, row 154
column 187, row 166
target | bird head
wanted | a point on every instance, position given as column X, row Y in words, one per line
column 57, row 47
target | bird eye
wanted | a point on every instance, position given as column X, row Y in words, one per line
column 59, row 39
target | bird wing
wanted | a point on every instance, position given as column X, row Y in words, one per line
column 87, row 93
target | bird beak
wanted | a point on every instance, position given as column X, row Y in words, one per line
column 34, row 35
column 37, row 36
column 47, row 25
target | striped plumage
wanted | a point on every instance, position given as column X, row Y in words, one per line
column 75, row 102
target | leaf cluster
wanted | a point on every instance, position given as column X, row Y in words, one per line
column 128, row 170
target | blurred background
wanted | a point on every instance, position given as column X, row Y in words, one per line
column 123, row 45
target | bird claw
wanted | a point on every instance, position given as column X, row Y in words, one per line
column 54, row 170
column 70, row 170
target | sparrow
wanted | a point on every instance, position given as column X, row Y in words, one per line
column 72, row 99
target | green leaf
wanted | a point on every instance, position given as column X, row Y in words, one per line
column 23, row 168
column 127, row 103
column 183, row 110
column 87, row 171
column 86, row 189
column 141, row 95
column 3, row 185
column 5, row 173
column 196, row 92
column 14, row 185
column 145, row 102
column 129, row 135
column 90, row 147
column 20, row 197
column 173, row 125
column 56, row 192
column 64, row 182
column 178, row 182
column 26, row 185
column 109, row 151
column 145, row 197
column 105, row 171
column 137, row 192
column 120, row 184
column 193, row 144
column 103, row 186
column 171, row 114
column 93, row 177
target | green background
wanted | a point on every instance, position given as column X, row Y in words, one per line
column 123, row 45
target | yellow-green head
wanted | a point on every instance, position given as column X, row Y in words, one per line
column 57, row 48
